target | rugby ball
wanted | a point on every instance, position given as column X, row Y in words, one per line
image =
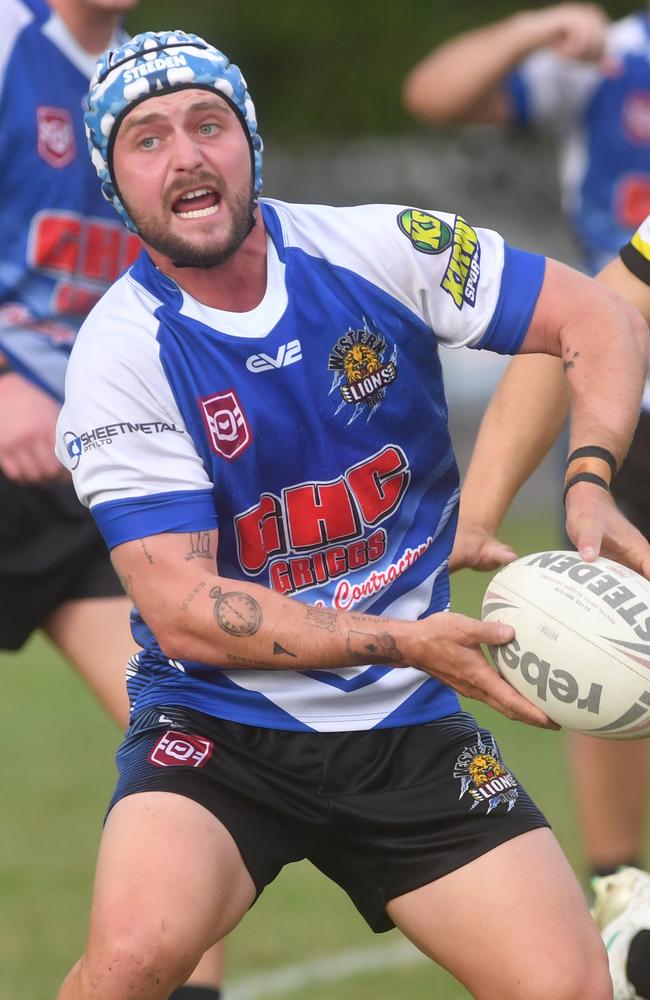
column 581, row 651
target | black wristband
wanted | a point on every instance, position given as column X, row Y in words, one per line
column 594, row 451
column 585, row 477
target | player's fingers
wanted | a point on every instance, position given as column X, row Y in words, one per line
column 499, row 695
column 495, row 554
column 493, row 633
column 587, row 538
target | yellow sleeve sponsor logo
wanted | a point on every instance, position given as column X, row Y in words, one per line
column 427, row 232
column 461, row 278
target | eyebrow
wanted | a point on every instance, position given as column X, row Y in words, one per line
column 133, row 121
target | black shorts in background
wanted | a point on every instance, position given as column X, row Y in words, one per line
column 50, row 553
column 631, row 485
column 380, row 812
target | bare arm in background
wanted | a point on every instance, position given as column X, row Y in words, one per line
column 462, row 79
column 28, row 418
column 522, row 421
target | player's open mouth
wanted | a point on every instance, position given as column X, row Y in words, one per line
column 197, row 204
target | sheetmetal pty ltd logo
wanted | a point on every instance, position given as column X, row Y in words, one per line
column 77, row 445
column 484, row 777
column 358, row 357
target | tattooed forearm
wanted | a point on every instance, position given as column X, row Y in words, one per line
column 570, row 359
column 184, row 605
column 381, row 646
column 199, row 545
column 146, row 551
column 236, row 613
column 321, row 618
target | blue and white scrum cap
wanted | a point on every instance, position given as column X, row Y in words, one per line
column 150, row 64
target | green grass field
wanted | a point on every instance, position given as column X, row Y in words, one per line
column 56, row 774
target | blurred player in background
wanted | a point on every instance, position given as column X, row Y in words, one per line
column 570, row 70
column 520, row 424
column 285, row 531
column 61, row 248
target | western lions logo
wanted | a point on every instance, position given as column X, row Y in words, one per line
column 482, row 774
column 363, row 374
column 427, row 232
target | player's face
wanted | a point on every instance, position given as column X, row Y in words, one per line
column 182, row 164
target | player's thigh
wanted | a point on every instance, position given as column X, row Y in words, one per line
column 513, row 924
column 170, row 882
column 94, row 634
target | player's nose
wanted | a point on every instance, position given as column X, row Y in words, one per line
column 186, row 152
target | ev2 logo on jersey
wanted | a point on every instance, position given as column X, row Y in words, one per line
column 288, row 354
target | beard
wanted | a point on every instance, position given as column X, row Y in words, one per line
column 207, row 254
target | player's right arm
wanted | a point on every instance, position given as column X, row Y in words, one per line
column 463, row 80
column 196, row 614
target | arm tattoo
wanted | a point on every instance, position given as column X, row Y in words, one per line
column 192, row 594
column 199, row 545
column 236, row 613
column 244, row 661
column 146, row 551
column 278, row 650
column 378, row 647
column 321, row 618
column 571, row 359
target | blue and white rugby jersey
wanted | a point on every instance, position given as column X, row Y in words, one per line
column 61, row 243
column 312, row 431
column 601, row 117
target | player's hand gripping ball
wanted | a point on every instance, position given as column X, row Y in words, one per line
column 582, row 646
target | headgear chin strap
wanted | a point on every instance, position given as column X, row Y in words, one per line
column 149, row 65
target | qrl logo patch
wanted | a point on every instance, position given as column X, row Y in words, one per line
column 636, row 117
column 181, row 750
column 55, row 131
column 229, row 432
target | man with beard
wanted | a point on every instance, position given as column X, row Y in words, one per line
column 256, row 417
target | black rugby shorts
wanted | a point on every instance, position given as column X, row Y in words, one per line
column 381, row 812
column 50, row 553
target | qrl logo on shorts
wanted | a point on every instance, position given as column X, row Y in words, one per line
column 56, row 143
column 181, row 750
column 226, row 424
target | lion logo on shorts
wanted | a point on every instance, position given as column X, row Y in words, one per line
column 484, row 777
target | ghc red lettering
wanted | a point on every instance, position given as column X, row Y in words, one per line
column 312, row 515
column 64, row 245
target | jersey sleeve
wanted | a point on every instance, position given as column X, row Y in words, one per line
column 464, row 283
column 549, row 91
column 121, row 435
column 470, row 287
column 636, row 254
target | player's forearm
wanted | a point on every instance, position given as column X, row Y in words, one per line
column 235, row 624
column 522, row 421
column 196, row 614
column 453, row 81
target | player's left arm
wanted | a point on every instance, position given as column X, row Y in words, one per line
column 603, row 345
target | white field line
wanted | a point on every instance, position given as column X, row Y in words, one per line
column 328, row 969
